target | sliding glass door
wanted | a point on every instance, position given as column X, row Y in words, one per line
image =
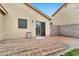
column 40, row 28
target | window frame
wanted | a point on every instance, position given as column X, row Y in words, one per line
column 19, row 23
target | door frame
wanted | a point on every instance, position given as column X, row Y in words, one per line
column 40, row 28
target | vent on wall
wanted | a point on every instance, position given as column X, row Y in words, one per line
column 65, row 5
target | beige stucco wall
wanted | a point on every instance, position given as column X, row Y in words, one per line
column 23, row 11
column 1, row 26
column 67, row 21
column 67, row 15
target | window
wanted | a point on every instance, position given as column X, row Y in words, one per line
column 22, row 23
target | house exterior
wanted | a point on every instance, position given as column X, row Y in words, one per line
column 1, row 30
column 66, row 20
column 21, row 19
column 2, row 13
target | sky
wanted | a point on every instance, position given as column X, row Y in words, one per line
column 48, row 8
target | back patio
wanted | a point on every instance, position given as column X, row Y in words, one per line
column 52, row 45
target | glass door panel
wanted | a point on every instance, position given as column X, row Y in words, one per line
column 40, row 28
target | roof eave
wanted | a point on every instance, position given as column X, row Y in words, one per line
column 36, row 9
column 59, row 9
column 3, row 9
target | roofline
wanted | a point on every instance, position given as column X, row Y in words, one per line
column 45, row 15
column 3, row 9
column 59, row 9
column 36, row 9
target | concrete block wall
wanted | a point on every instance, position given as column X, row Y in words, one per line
column 55, row 30
column 67, row 30
column 70, row 30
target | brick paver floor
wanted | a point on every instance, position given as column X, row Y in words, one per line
column 67, row 42
column 45, row 45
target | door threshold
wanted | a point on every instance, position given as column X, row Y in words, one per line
column 40, row 37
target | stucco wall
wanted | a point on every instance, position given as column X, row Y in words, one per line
column 68, row 20
column 23, row 11
column 1, row 26
column 67, row 15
